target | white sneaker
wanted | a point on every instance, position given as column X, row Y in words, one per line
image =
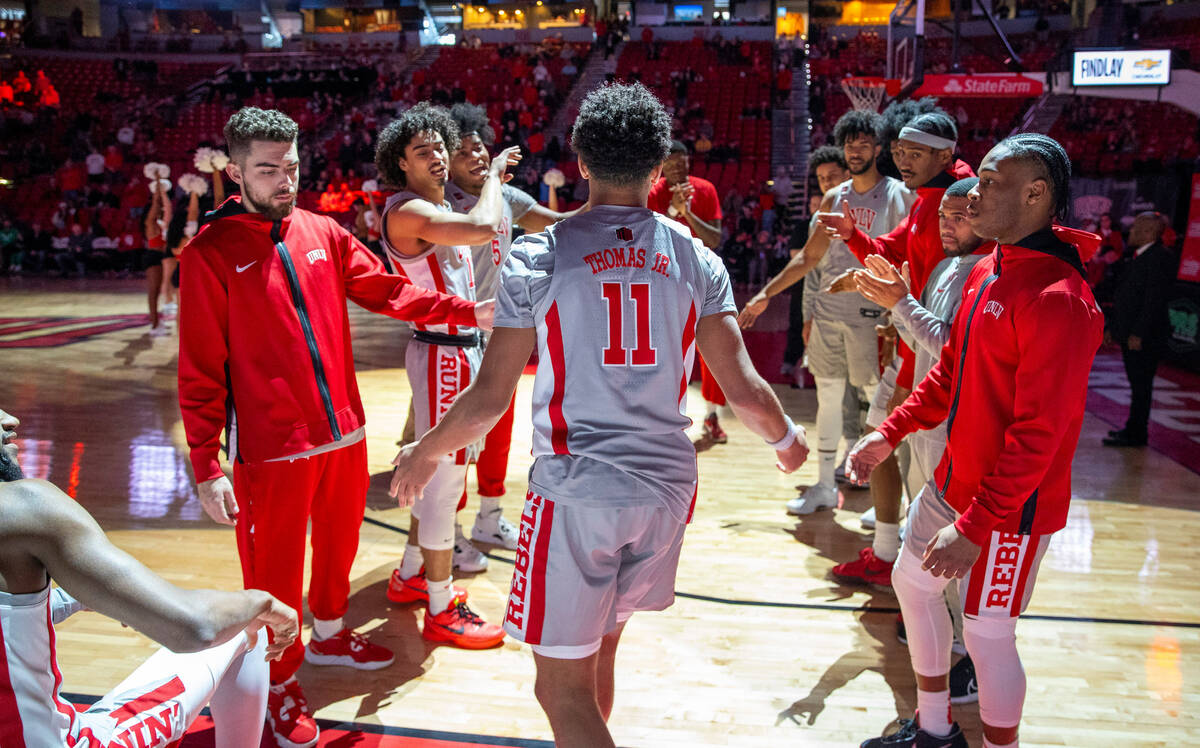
column 494, row 529
column 467, row 557
column 813, row 499
column 867, row 519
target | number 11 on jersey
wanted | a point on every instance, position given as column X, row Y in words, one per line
column 643, row 353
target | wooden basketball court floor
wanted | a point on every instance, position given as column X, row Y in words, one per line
column 762, row 648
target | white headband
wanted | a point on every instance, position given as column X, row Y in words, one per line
column 925, row 138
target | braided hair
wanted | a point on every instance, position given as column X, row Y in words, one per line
column 1052, row 161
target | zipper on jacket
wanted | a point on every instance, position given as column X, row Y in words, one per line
column 962, row 358
column 306, row 326
column 1028, row 512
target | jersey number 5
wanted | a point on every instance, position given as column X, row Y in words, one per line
column 615, row 353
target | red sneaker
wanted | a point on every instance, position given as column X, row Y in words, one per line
column 713, row 430
column 867, row 569
column 348, row 648
column 459, row 626
column 288, row 715
column 414, row 588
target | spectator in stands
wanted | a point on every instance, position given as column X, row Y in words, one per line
column 75, row 255
column 11, row 247
column 1138, row 321
column 38, row 244
column 6, row 92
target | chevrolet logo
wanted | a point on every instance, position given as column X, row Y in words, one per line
column 1147, row 64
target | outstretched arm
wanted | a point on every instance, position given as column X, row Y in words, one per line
column 40, row 522
column 752, row 399
column 472, row 415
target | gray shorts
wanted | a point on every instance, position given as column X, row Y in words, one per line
column 838, row 350
column 887, row 387
column 1001, row 582
column 583, row 570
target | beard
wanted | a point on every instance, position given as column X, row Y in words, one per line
column 9, row 470
column 866, row 167
column 269, row 208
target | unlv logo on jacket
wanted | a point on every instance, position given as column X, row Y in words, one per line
column 316, row 254
column 994, row 308
column 625, row 234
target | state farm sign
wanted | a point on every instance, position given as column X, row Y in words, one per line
column 988, row 84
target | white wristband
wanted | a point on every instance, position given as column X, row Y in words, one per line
column 788, row 439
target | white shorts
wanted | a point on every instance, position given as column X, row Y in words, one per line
column 887, row 387
column 582, row 570
column 1001, row 581
column 437, row 375
column 838, row 350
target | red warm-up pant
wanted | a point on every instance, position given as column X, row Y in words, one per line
column 709, row 389
column 275, row 502
column 492, row 465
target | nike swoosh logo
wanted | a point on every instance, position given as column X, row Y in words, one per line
column 244, row 268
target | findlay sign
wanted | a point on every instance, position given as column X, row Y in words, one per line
column 991, row 85
column 1121, row 67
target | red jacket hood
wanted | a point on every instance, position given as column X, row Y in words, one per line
column 233, row 210
column 960, row 170
column 1085, row 242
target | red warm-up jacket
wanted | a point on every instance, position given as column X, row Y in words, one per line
column 264, row 333
column 1011, row 386
column 916, row 240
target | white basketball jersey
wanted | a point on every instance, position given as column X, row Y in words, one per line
column 441, row 267
column 34, row 715
column 614, row 294
column 489, row 257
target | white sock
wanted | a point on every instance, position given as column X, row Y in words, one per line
column 440, row 594
column 934, row 707
column 326, row 629
column 488, row 504
column 458, row 533
column 712, row 408
column 887, row 540
column 989, row 744
column 826, row 467
column 411, row 562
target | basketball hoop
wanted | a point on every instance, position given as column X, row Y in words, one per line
column 865, row 94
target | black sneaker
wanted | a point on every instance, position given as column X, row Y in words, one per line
column 963, row 688
column 911, row 736
column 901, row 634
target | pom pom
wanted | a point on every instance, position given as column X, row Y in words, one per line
column 149, row 170
column 164, row 184
column 554, row 178
column 219, row 160
column 370, row 185
column 203, row 160
column 193, row 184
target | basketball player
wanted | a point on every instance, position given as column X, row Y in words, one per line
column 694, row 202
column 615, row 300
column 925, row 326
column 1003, row 485
column 469, row 172
column 842, row 344
column 429, row 243
column 265, row 353
column 215, row 646
column 924, row 155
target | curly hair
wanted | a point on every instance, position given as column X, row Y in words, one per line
column 622, row 133
column 423, row 117
column 472, row 119
column 854, row 123
column 251, row 123
column 826, row 154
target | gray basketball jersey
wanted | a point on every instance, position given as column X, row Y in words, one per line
column 489, row 257
column 614, row 294
column 875, row 212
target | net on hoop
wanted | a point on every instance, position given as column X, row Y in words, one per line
column 865, row 94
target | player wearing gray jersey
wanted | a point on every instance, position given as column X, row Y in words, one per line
column 616, row 300
column 468, row 170
column 428, row 241
column 841, row 347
